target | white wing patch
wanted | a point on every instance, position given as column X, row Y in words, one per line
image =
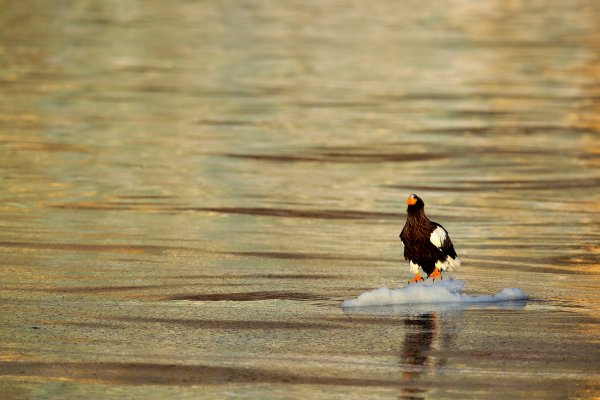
column 438, row 236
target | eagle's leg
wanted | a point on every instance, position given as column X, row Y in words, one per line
column 435, row 274
column 415, row 278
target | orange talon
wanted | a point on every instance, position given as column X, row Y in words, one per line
column 415, row 278
column 435, row 274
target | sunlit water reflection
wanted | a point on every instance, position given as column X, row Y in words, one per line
column 191, row 190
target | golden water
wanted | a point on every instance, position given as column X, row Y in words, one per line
column 190, row 189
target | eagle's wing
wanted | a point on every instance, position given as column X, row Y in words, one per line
column 404, row 242
column 440, row 239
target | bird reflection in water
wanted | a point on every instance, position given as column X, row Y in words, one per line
column 423, row 333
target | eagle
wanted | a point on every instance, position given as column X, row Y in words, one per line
column 426, row 243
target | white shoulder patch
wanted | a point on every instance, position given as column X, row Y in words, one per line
column 438, row 236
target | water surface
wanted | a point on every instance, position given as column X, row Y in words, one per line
column 190, row 190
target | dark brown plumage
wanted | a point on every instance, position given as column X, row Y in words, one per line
column 426, row 243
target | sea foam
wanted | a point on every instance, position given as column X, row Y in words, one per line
column 446, row 291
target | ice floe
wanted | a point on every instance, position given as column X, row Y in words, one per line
column 446, row 291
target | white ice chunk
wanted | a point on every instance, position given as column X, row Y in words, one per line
column 445, row 291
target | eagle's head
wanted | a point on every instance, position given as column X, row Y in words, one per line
column 414, row 203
